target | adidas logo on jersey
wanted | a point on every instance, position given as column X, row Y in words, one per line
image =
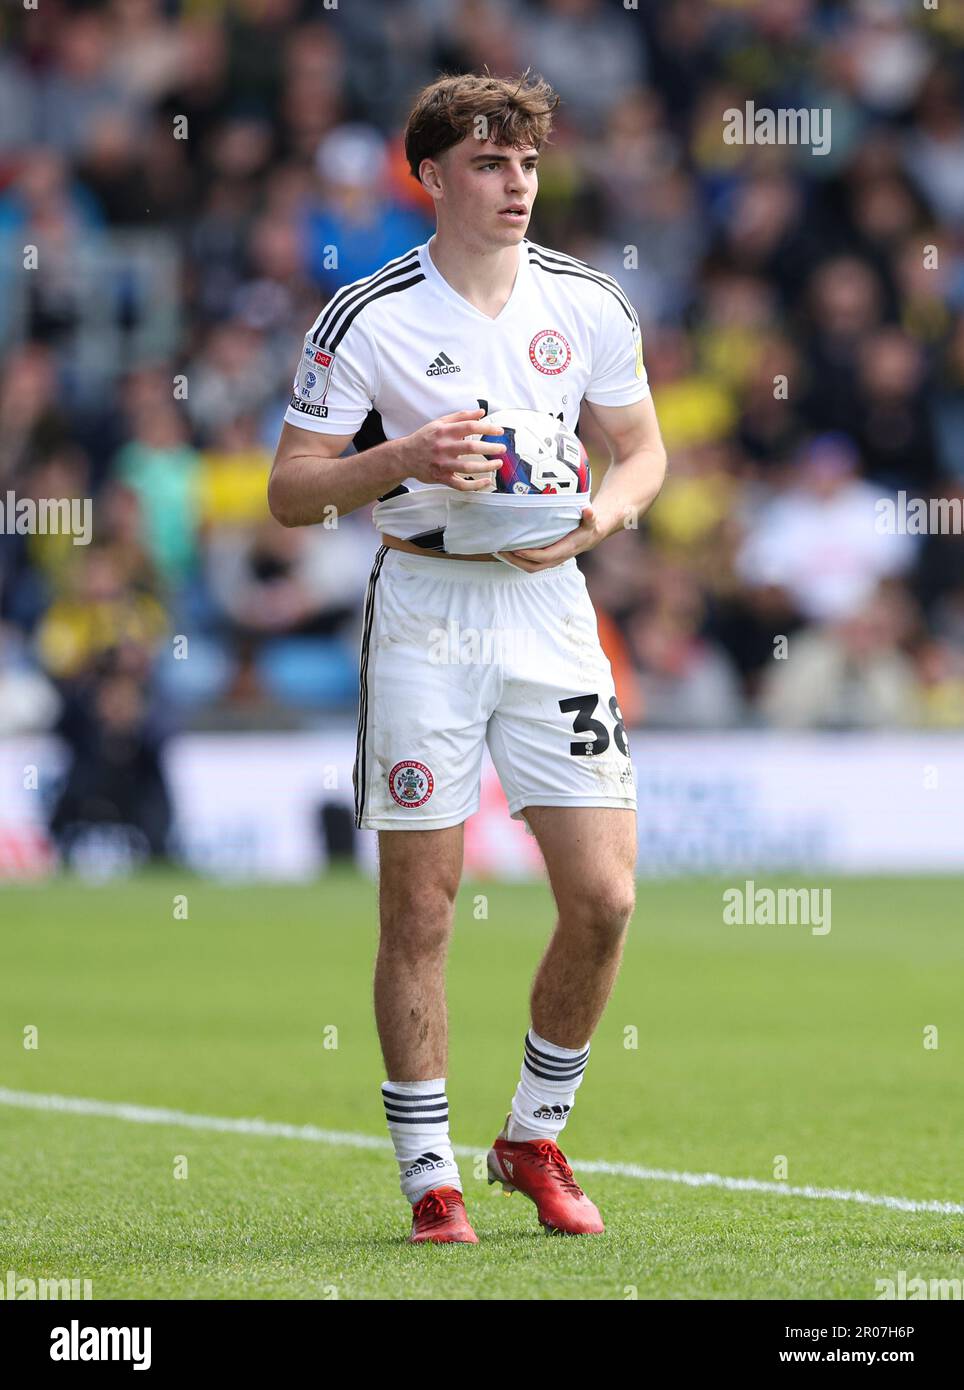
column 425, row 1164
column 550, row 1112
column 442, row 366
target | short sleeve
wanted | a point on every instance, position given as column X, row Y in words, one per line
column 618, row 376
column 333, row 392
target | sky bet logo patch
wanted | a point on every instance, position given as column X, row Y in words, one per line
column 314, row 374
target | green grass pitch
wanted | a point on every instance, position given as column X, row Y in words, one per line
column 751, row 1042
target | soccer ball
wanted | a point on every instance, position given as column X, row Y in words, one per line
column 542, row 455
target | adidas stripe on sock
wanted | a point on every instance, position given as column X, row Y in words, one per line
column 547, row 1089
column 418, row 1121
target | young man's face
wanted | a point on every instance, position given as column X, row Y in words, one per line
column 487, row 190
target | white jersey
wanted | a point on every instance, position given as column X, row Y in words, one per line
column 402, row 347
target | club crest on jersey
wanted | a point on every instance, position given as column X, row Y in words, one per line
column 314, row 373
column 549, row 352
column 411, row 783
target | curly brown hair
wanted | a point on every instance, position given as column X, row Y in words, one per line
column 517, row 112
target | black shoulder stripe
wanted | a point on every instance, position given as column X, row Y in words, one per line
column 332, row 340
column 554, row 263
column 564, row 258
column 609, row 281
column 355, row 294
column 595, row 277
column 349, row 294
column 552, row 255
column 345, row 292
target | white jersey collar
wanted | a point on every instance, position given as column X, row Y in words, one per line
column 435, row 277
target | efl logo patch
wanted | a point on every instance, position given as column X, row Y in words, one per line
column 411, row 783
column 549, row 352
column 314, row 373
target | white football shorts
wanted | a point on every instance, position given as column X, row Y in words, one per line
column 456, row 654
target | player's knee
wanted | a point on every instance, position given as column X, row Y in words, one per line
column 615, row 907
column 418, row 942
column 604, row 908
column 416, row 920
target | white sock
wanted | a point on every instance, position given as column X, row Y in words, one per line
column 546, row 1090
column 418, row 1121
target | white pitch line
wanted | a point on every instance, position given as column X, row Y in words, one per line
column 273, row 1129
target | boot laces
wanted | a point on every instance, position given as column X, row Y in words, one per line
column 432, row 1206
column 558, row 1168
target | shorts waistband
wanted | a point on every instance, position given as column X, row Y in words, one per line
column 481, row 571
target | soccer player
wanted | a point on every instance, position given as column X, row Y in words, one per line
column 404, row 364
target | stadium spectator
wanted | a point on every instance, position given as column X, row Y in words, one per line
column 848, row 675
column 115, row 777
column 819, row 539
column 354, row 228
column 199, row 179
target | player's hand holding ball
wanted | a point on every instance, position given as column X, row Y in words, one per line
column 438, row 453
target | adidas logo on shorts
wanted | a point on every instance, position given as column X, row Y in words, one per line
column 442, row 366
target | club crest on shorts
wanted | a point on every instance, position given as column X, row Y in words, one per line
column 549, row 352
column 411, row 783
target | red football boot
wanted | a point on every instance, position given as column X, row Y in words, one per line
column 440, row 1216
column 538, row 1169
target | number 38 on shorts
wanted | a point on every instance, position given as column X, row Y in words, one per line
column 597, row 734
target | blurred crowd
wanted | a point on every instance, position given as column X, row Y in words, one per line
column 198, row 178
